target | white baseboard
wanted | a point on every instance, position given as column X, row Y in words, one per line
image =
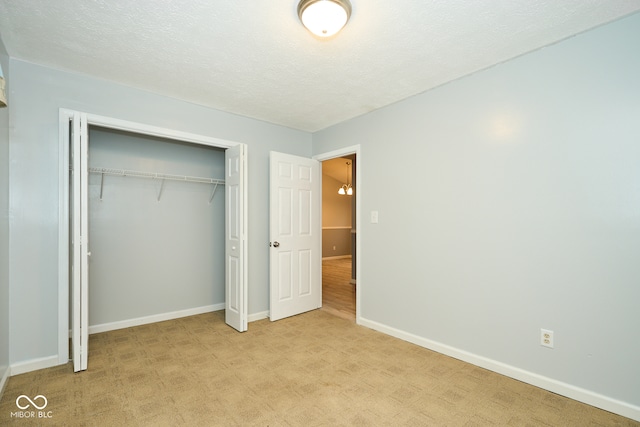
column 104, row 327
column 5, row 379
column 576, row 393
column 34, row 365
column 258, row 316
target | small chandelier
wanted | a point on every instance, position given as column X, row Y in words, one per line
column 346, row 189
column 324, row 18
column 3, row 95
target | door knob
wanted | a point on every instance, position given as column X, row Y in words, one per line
column 276, row 244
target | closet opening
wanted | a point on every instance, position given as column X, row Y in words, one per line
column 153, row 227
column 156, row 229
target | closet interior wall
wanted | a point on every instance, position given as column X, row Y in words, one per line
column 156, row 247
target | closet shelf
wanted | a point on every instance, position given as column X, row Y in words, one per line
column 154, row 175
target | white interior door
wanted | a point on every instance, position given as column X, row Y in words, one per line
column 295, row 235
column 80, row 242
column 235, row 235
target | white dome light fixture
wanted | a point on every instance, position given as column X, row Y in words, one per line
column 324, row 18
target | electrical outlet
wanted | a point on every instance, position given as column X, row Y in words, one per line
column 546, row 338
column 374, row 217
column 334, row 247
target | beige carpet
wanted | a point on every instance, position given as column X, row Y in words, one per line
column 315, row 369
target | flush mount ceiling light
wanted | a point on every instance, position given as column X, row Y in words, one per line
column 324, row 18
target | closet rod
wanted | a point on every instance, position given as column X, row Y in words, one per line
column 163, row 176
column 152, row 175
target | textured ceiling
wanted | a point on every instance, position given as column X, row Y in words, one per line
column 254, row 58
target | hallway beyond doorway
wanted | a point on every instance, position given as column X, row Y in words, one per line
column 338, row 294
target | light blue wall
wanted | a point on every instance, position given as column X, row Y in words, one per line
column 38, row 93
column 519, row 209
column 4, row 222
column 151, row 256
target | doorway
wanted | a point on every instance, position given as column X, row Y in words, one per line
column 339, row 236
column 296, row 215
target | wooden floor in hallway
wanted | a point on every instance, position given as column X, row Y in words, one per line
column 338, row 294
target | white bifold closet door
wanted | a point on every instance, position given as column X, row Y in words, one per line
column 235, row 235
column 80, row 241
